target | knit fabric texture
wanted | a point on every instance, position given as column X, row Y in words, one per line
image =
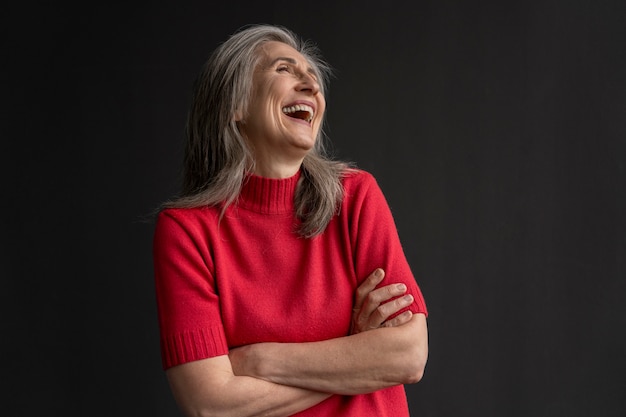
column 249, row 277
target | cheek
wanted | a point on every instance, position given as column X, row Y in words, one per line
column 321, row 108
column 322, row 102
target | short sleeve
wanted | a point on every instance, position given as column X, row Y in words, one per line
column 375, row 239
column 187, row 302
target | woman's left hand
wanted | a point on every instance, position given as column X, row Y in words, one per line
column 344, row 365
column 372, row 307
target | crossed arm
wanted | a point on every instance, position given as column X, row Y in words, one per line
column 280, row 379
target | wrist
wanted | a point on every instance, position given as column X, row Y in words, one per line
column 252, row 360
column 263, row 360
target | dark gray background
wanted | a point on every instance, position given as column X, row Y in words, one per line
column 497, row 131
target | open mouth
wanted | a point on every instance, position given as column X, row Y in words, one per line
column 299, row 111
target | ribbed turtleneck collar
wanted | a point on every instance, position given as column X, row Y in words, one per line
column 269, row 195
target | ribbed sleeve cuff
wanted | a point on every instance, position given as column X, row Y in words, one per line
column 192, row 346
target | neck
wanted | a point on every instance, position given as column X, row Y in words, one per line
column 277, row 169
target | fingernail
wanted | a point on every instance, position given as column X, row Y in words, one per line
column 379, row 273
column 408, row 298
column 401, row 287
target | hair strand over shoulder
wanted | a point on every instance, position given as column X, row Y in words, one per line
column 217, row 156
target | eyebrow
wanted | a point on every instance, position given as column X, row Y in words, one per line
column 292, row 61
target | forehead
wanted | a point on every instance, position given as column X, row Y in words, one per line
column 271, row 51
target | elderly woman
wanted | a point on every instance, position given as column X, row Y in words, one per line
column 281, row 284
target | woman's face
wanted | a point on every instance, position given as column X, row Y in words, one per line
column 285, row 111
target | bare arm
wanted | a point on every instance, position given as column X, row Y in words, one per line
column 208, row 387
column 356, row 364
column 366, row 361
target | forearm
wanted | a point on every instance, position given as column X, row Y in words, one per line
column 356, row 364
column 202, row 391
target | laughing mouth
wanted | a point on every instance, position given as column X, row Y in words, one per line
column 299, row 111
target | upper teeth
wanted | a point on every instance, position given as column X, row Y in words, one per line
column 299, row 107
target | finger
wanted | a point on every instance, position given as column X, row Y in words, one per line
column 384, row 311
column 376, row 298
column 367, row 287
column 399, row 320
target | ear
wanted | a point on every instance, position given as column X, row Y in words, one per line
column 238, row 117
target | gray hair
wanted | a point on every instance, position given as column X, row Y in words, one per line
column 218, row 158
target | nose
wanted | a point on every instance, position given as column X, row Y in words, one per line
column 308, row 83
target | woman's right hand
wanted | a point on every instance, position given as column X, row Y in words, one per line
column 372, row 309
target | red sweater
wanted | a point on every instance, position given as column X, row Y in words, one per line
column 249, row 278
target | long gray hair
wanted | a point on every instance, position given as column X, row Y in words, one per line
column 218, row 158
